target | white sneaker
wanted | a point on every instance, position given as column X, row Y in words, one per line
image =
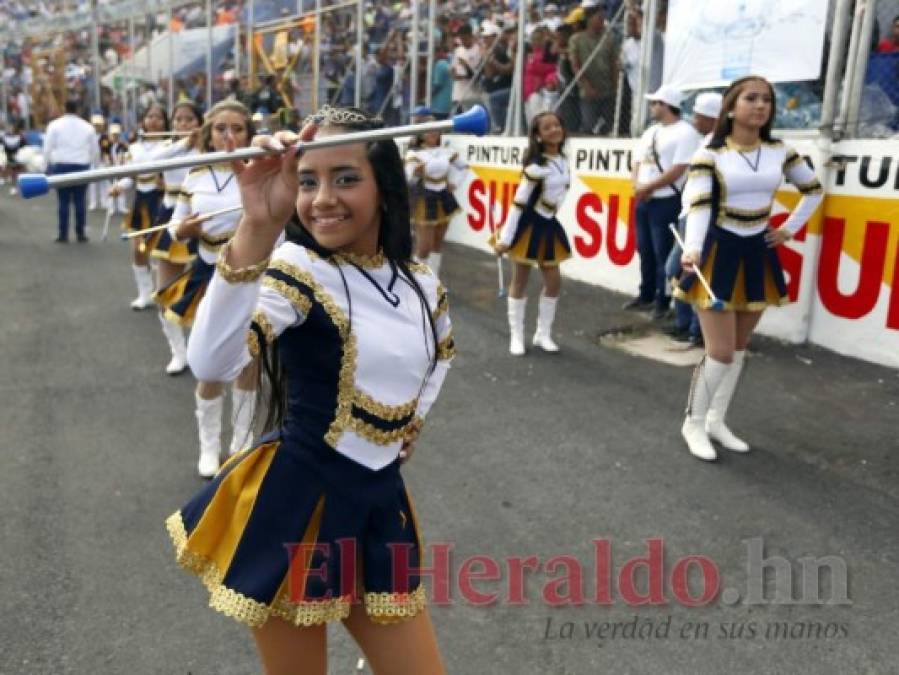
column 698, row 441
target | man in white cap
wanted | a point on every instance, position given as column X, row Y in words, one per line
column 551, row 18
column 662, row 157
column 685, row 327
column 706, row 110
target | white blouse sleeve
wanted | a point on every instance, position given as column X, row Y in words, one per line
column 235, row 321
column 533, row 175
column 699, row 209
column 446, row 351
column 167, row 150
column 801, row 175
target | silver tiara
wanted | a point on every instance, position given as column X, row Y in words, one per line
column 336, row 117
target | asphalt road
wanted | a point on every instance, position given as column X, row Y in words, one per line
column 537, row 456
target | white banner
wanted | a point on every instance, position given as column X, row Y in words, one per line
column 709, row 43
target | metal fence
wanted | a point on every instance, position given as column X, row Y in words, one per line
column 590, row 64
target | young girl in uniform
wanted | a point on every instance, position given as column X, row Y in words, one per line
column 172, row 257
column 118, row 154
column 532, row 235
column 207, row 189
column 357, row 340
column 147, row 200
column 732, row 183
column 437, row 170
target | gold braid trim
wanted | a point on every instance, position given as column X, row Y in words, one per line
column 238, row 606
column 301, row 302
column 387, row 608
column 811, row 188
column 703, row 199
column 420, row 268
column 253, row 343
column 343, row 416
column 792, row 159
column 446, row 348
column 262, row 321
column 240, row 275
column 391, row 413
column 442, row 302
column 365, row 261
column 375, row 435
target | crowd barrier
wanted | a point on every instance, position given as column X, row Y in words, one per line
column 842, row 268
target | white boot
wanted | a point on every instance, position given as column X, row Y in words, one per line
column 516, row 325
column 243, row 406
column 714, row 421
column 143, row 277
column 209, row 422
column 434, row 262
column 175, row 336
column 706, row 379
column 546, row 314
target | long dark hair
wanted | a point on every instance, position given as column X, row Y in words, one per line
column 534, row 153
column 394, row 239
column 160, row 108
column 725, row 124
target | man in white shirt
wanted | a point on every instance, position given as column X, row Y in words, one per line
column 70, row 144
column 466, row 64
column 662, row 157
column 706, row 109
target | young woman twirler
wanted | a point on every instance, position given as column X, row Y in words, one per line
column 207, row 189
column 147, row 200
column 532, row 235
column 314, row 524
column 437, row 169
column 172, row 257
column 732, row 183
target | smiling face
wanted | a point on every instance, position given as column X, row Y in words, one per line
column 338, row 200
column 225, row 123
column 550, row 131
column 753, row 106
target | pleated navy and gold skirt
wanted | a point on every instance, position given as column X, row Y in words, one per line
column 538, row 240
column 434, row 209
column 744, row 272
column 181, row 298
column 143, row 211
column 302, row 534
column 166, row 248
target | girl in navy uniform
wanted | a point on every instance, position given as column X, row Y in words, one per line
column 207, row 189
column 363, row 336
column 118, row 154
column 732, row 183
column 172, row 257
column 532, row 235
column 437, row 170
column 147, row 200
